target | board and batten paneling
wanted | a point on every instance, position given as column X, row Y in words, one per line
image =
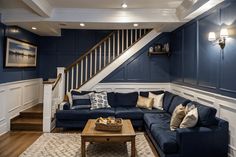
column 202, row 63
column 225, row 106
column 16, row 97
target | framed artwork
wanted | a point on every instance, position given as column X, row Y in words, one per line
column 20, row 54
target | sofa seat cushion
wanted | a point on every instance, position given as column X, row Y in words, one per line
column 177, row 100
column 132, row 113
column 154, row 110
column 103, row 112
column 84, row 114
column 165, row 138
column 80, row 114
column 163, row 120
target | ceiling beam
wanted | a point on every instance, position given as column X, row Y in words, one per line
column 41, row 7
column 190, row 9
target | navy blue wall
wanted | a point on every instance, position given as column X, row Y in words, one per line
column 198, row 63
column 15, row 74
column 144, row 68
column 62, row 51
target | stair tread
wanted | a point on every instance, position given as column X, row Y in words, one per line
column 27, row 121
column 35, row 109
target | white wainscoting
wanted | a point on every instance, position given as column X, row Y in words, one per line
column 130, row 87
column 226, row 108
column 16, row 97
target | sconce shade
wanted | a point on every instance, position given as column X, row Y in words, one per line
column 212, row 36
column 224, row 32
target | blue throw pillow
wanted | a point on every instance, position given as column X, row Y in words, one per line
column 126, row 99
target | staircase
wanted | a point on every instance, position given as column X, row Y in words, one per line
column 106, row 56
column 29, row 120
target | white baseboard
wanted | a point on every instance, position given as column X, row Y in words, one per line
column 16, row 97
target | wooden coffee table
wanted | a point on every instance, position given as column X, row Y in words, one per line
column 89, row 134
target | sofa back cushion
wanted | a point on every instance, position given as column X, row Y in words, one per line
column 126, row 99
column 167, row 99
column 145, row 93
column 177, row 100
column 206, row 115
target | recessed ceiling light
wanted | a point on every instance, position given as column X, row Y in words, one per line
column 124, row 5
column 135, row 25
column 34, row 28
column 82, row 24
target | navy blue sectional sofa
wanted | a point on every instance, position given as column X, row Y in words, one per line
column 208, row 139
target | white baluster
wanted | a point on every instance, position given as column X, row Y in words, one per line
column 95, row 62
column 122, row 41
column 140, row 33
column 109, row 50
column 114, row 46
column 67, row 81
column 131, row 36
column 77, row 76
column 100, row 57
column 72, row 78
column 118, row 42
column 81, row 72
column 86, row 68
column 91, row 65
column 104, row 49
column 136, row 35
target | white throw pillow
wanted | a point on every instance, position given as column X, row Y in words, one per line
column 158, row 100
column 190, row 119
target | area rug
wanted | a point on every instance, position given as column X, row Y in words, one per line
column 68, row 145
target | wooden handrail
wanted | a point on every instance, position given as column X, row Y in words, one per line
column 88, row 52
column 56, row 82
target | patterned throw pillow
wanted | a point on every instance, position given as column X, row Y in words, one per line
column 99, row 100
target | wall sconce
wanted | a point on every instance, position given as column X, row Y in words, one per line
column 221, row 41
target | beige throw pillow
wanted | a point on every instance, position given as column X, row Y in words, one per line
column 191, row 118
column 157, row 100
column 177, row 117
column 144, row 102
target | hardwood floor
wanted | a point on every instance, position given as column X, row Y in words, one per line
column 13, row 143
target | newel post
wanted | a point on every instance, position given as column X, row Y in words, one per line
column 61, row 84
column 47, row 107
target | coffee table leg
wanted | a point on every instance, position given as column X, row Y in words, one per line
column 133, row 147
column 83, row 147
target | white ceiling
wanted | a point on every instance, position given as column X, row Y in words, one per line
column 49, row 15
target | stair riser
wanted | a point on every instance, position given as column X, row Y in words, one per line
column 26, row 127
column 31, row 115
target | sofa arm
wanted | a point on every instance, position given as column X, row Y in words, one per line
column 64, row 106
column 203, row 141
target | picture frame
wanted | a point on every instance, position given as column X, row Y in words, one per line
column 20, row 54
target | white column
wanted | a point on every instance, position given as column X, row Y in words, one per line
column 61, row 70
column 47, row 107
